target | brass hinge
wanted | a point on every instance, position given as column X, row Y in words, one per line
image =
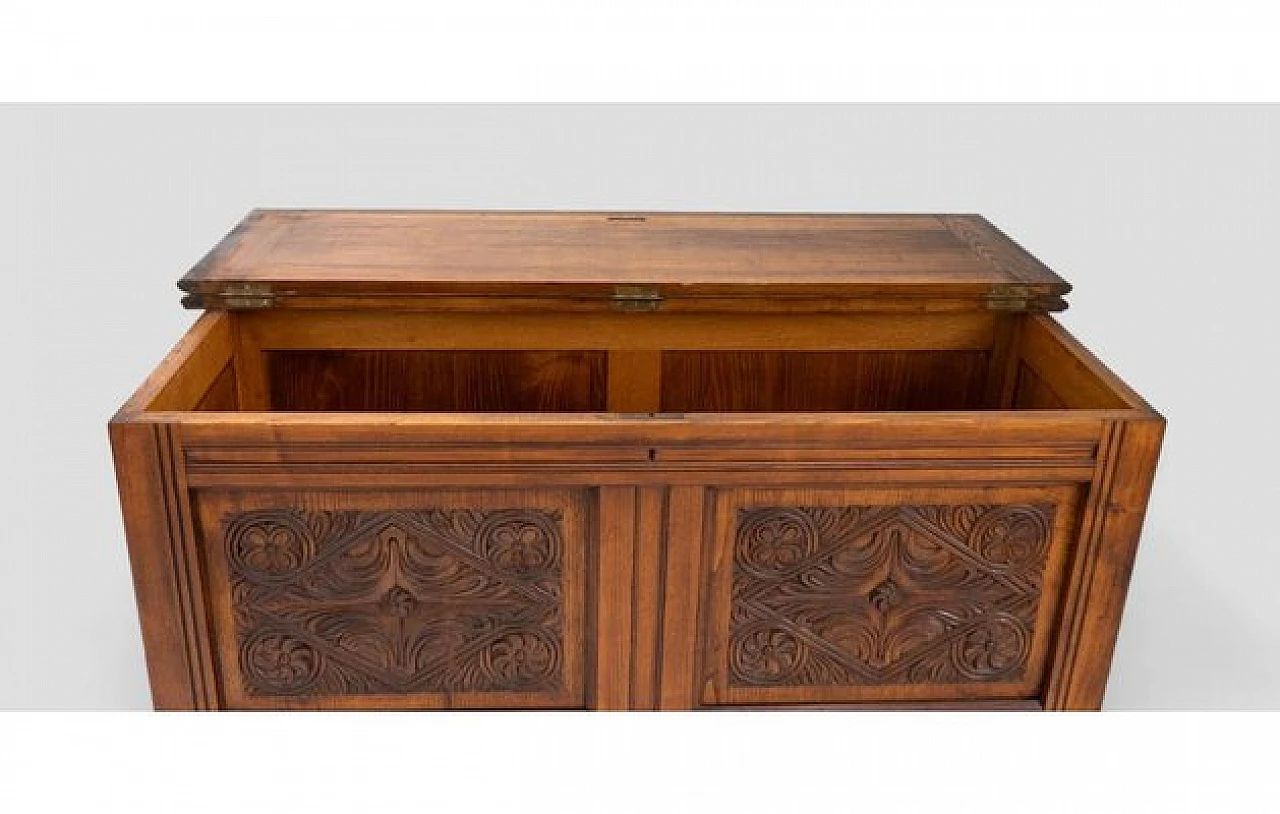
column 248, row 295
column 635, row 298
column 1009, row 298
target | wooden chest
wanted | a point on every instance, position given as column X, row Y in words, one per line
column 614, row 461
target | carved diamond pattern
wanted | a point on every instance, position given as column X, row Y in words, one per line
column 354, row 602
column 865, row 595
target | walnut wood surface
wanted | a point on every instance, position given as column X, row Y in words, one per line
column 1033, row 393
column 419, row 599
column 817, row 381
column 378, row 330
column 872, row 595
column 223, row 394
column 765, row 506
column 354, row 258
column 449, row 381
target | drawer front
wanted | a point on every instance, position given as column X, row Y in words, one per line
column 883, row 595
column 424, row 599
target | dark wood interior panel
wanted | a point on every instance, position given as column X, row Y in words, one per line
column 221, row 395
column 445, row 381
column 776, row 381
column 282, row 329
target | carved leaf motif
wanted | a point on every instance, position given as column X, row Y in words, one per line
column 881, row 595
column 433, row 600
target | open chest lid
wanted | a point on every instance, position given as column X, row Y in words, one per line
column 548, row 261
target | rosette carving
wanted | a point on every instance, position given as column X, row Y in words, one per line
column 278, row 662
column 519, row 542
column 766, row 655
column 991, row 649
column 769, row 542
column 270, row 547
column 1010, row 536
column 523, row 659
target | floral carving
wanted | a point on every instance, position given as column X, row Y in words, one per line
column 433, row 600
column 398, row 602
column 1008, row 536
column 523, row 659
column 991, row 649
column 770, row 653
column 775, row 541
column 865, row 595
column 520, row 543
column 884, row 596
column 269, row 547
column 280, row 660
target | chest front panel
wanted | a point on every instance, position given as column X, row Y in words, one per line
column 433, row 599
column 864, row 595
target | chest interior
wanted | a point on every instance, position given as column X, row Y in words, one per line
column 353, row 361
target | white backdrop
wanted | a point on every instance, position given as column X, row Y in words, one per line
column 1163, row 218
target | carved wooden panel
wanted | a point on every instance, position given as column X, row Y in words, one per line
column 859, row 600
column 430, row 603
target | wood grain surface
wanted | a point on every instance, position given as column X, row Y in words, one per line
column 458, row 460
column 305, row 256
